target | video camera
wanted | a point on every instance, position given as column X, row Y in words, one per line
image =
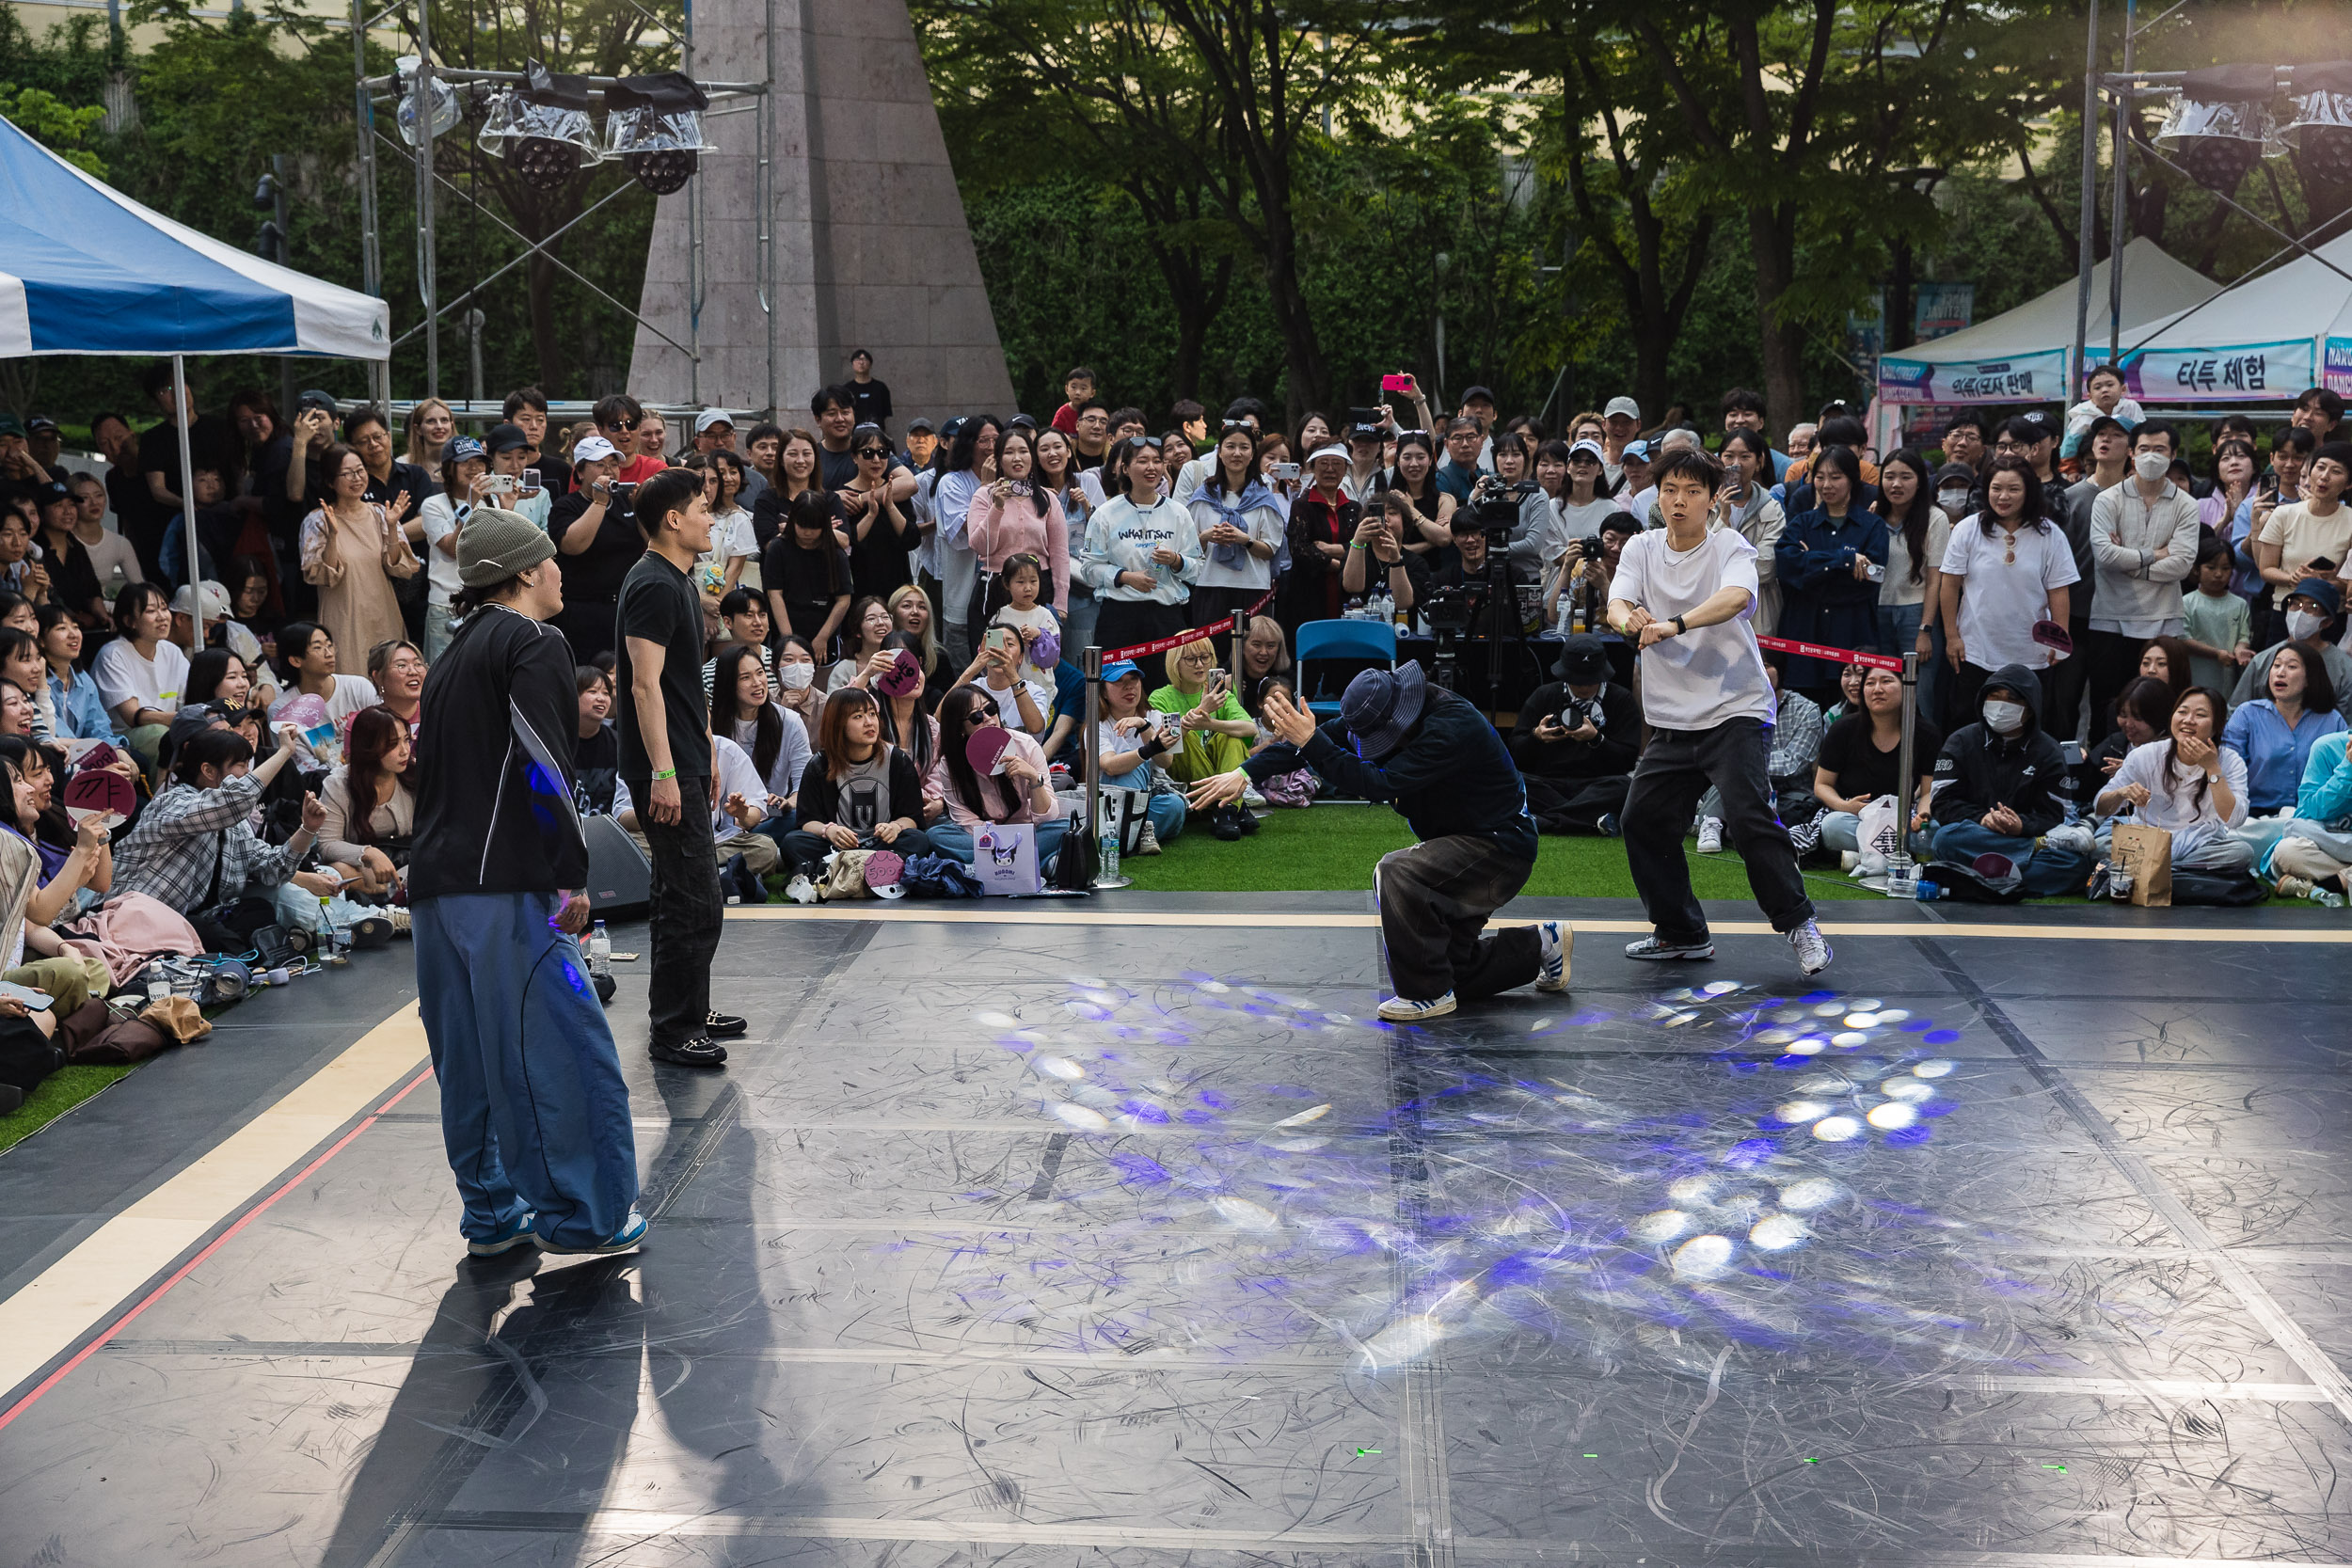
column 1495, row 505
column 1449, row 610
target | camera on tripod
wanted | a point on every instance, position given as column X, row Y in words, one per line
column 1449, row 610
column 1496, row 506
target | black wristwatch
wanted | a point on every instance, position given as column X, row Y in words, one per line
column 1680, row 627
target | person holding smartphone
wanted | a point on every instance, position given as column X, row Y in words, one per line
column 1215, row 730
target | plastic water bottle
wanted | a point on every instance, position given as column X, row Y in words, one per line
column 599, row 951
column 1927, row 892
column 1109, row 856
column 337, row 948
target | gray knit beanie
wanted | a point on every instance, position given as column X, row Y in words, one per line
column 493, row 545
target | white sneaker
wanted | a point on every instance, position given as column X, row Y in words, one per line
column 1557, row 941
column 1813, row 954
column 1249, row 797
column 1404, row 1009
column 1710, row 835
column 2072, row 835
column 800, row 891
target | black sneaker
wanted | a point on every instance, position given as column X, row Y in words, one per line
column 699, row 1051
column 1246, row 819
column 1222, row 823
column 724, row 1026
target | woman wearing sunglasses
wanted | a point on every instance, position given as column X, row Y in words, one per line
column 882, row 530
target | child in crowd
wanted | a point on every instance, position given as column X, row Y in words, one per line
column 1025, row 579
column 2219, row 631
column 2107, row 397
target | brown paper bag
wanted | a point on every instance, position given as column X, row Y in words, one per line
column 2145, row 854
column 178, row 1017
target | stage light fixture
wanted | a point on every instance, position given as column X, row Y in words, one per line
column 446, row 109
column 543, row 130
column 2220, row 126
column 2321, row 131
column 654, row 125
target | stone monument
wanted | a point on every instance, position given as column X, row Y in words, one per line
column 871, row 248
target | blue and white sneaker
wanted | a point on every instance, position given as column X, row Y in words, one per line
column 627, row 1238
column 1405, row 1010
column 1552, row 973
column 516, row 1232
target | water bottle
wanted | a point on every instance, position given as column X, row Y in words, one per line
column 599, row 951
column 1927, row 892
column 336, row 949
column 1109, row 856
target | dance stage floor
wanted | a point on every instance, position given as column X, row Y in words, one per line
column 1124, row 1236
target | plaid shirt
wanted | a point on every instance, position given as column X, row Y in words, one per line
column 170, row 852
column 1796, row 742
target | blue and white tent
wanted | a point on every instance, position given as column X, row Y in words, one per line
column 84, row 269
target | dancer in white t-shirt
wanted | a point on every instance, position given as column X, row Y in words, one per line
column 1685, row 598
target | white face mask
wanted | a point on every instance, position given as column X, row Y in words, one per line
column 2005, row 718
column 1953, row 501
column 2302, row 623
column 795, row 677
column 2151, row 466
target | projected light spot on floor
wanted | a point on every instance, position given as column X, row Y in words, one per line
column 1837, row 1129
column 1893, row 1117
column 1704, row 1258
column 1779, row 1232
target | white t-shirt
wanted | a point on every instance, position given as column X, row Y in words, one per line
column 737, row 776
column 1899, row 589
column 441, row 518
column 114, row 561
column 349, row 694
column 792, row 756
column 157, row 682
column 2000, row 601
column 2301, row 537
column 731, row 535
column 2172, row 803
column 1710, row 674
column 1008, row 702
column 1036, row 618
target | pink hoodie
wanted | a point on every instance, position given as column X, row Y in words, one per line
column 998, row 533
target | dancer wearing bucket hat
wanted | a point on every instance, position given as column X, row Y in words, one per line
column 1437, row 760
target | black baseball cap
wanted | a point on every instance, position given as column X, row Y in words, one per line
column 505, row 438
column 315, row 399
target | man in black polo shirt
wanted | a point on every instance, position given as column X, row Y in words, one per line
column 666, row 762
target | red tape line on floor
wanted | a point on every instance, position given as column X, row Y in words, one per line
column 210, row 1247
column 1836, row 656
column 1197, row 634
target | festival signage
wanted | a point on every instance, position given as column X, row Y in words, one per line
column 2337, row 376
column 2237, row 373
column 2019, row 378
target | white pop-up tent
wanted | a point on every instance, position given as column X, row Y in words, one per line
column 2021, row 355
column 84, row 269
column 2263, row 339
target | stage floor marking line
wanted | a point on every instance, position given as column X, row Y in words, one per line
column 88, row 1287
column 1299, row 919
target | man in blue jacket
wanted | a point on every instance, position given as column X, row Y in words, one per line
column 1437, row 760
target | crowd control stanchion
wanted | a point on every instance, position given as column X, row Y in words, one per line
column 1906, row 788
column 1106, row 876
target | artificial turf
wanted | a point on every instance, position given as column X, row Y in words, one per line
column 53, row 1097
column 1331, row 848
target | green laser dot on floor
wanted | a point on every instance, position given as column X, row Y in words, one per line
column 1363, row 1452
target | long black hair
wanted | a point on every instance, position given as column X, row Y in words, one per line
column 918, row 745
column 814, row 508
column 956, row 711
column 768, row 732
column 963, row 454
column 1914, row 521
column 21, row 753
column 2036, row 512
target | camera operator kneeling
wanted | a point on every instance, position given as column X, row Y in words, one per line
column 1575, row 743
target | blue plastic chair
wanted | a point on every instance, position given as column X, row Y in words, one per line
column 1373, row 639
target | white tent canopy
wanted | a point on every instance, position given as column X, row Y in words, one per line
column 2262, row 339
column 2021, row 355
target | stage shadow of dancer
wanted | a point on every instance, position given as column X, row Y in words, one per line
column 470, row 1394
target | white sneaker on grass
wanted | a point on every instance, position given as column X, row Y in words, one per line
column 1710, row 835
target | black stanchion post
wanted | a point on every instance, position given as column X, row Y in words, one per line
column 1898, row 865
column 1107, row 874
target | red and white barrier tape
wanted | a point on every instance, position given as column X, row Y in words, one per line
column 1196, row 634
column 1836, row 656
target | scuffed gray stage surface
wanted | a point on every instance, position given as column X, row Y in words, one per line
column 1056, row 1245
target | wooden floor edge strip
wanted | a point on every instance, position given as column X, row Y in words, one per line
column 92, row 1283
column 1333, row 920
